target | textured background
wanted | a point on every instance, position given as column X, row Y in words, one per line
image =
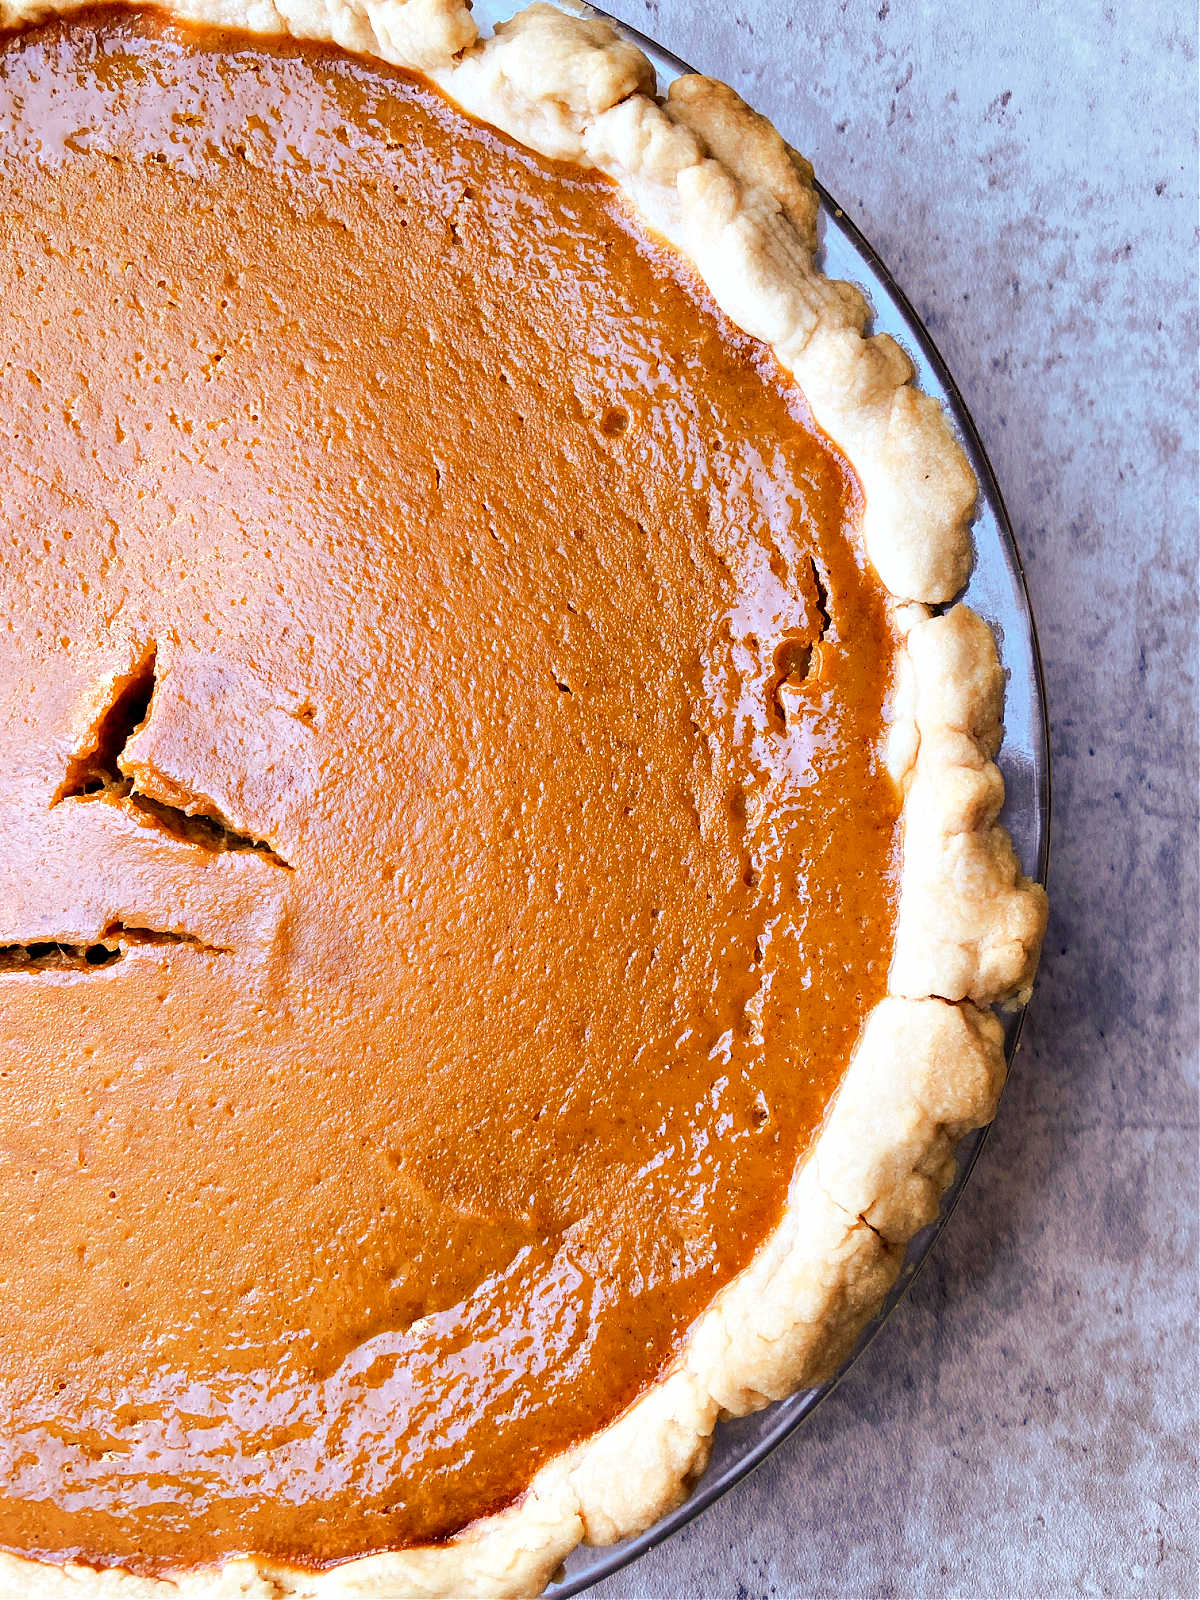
column 1026, row 1423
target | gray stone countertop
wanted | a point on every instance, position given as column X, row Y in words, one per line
column 1026, row 1424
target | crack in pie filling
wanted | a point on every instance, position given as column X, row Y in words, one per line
column 499, row 876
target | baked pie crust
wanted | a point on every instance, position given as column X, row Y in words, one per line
column 715, row 179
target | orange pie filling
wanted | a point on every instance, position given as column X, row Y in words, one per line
column 446, row 856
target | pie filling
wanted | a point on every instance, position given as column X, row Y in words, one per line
column 447, row 853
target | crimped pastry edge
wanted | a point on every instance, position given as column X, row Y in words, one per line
column 715, row 179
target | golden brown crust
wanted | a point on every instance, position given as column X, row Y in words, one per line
column 716, row 179
column 970, row 923
column 742, row 139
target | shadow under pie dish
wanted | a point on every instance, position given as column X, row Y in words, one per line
column 501, row 886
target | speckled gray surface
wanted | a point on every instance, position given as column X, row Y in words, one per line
column 1026, row 1424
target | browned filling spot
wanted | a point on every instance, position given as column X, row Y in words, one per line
column 511, row 593
column 96, row 768
column 46, row 955
column 96, row 772
column 209, row 832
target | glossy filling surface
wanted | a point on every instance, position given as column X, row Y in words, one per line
column 445, row 851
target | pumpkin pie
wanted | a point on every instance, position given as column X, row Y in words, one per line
column 500, row 885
